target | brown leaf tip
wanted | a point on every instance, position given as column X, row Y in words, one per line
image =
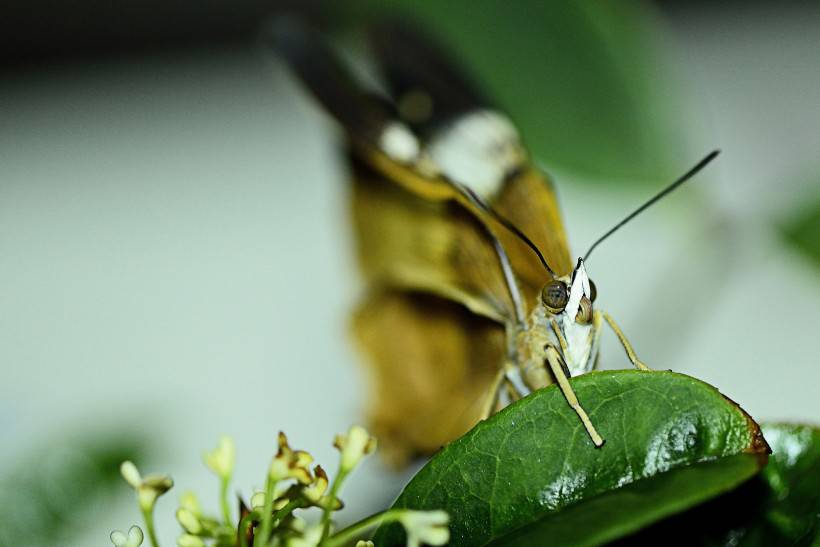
column 757, row 444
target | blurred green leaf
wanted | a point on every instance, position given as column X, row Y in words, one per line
column 50, row 496
column 803, row 231
column 586, row 82
column 779, row 507
column 530, row 475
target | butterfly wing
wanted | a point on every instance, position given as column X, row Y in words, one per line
column 406, row 241
column 414, row 229
column 425, row 156
column 428, row 87
column 426, row 197
column 433, row 363
column 363, row 113
column 462, row 126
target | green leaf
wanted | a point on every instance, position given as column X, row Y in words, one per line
column 54, row 493
column 803, row 231
column 779, row 507
column 585, row 82
column 530, row 474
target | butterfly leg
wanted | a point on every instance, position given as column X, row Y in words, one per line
column 630, row 353
column 493, row 396
column 501, row 386
column 554, row 361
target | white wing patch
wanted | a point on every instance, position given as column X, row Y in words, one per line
column 398, row 142
column 478, row 150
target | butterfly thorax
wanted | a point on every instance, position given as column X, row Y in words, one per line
column 532, row 339
column 571, row 330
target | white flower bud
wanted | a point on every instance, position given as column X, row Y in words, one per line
column 316, row 489
column 187, row 540
column 118, row 538
column 189, row 501
column 148, row 488
column 133, row 539
column 353, row 446
column 428, row 527
column 279, row 469
column 290, row 464
column 189, row 521
column 130, row 473
column 221, row 459
column 258, row 500
column 152, row 487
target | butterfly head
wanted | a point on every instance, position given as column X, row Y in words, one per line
column 571, row 297
column 569, row 303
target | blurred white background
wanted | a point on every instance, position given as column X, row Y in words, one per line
column 175, row 253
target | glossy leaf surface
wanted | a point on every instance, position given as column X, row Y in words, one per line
column 530, row 473
column 781, row 506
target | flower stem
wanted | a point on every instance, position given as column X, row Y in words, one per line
column 261, row 538
column 334, row 490
column 342, row 537
column 244, row 524
column 286, row 510
column 148, row 517
column 223, row 498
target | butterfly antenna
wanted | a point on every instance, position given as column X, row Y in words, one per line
column 686, row 176
column 504, row 221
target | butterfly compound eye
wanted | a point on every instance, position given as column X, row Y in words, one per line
column 555, row 296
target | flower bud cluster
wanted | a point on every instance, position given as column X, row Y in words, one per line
column 148, row 488
column 291, row 483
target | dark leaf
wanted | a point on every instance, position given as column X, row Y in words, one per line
column 53, row 493
column 779, row 507
column 803, row 231
column 585, row 82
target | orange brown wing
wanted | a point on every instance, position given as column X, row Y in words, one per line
column 432, row 363
column 412, row 65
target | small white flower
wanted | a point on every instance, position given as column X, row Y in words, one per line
column 148, row 488
column 187, row 540
column 132, row 539
column 315, row 492
column 316, row 489
column 279, row 500
column 221, row 459
column 290, row 464
column 364, row 543
column 258, row 500
column 189, row 521
column 428, row 527
column 354, row 446
column 131, row 474
column 189, row 501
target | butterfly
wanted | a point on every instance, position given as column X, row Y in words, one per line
column 473, row 299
